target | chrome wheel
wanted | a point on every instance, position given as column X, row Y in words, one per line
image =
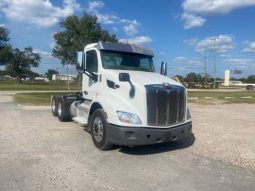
column 53, row 105
column 59, row 108
column 98, row 129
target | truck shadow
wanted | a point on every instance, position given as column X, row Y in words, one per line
column 158, row 148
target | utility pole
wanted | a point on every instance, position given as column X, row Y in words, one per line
column 205, row 60
column 214, row 64
column 214, row 72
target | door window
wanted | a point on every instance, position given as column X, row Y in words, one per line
column 91, row 61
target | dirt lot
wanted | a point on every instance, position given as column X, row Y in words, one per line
column 37, row 152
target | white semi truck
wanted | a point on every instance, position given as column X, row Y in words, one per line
column 123, row 100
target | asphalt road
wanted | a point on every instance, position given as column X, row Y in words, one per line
column 37, row 152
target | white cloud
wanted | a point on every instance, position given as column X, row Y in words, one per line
column 139, row 40
column 183, row 60
column 225, row 55
column 194, row 9
column 205, row 7
column 95, row 5
column 106, row 18
column 131, row 27
column 191, row 42
column 250, row 47
column 115, row 29
column 41, row 12
column 238, row 61
column 191, row 21
column 44, row 54
column 221, row 43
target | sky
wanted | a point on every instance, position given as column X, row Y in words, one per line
column 184, row 33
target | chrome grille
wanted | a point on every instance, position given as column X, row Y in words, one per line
column 166, row 104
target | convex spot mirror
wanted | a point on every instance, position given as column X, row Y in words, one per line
column 80, row 61
column 163, row 69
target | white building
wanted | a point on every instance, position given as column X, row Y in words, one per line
column 63, row 77
column 227, row 78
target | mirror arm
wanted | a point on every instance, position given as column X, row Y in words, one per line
column 132, row 90
column 91, row 75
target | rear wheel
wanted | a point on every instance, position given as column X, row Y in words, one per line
column 54, row 106
column 249, row 87
column 98, row 130
column 62, row 111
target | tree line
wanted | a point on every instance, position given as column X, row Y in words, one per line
column 199, row 78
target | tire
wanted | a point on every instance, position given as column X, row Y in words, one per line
column 98, row 128
column 249, row 87
column 63, row 111
column 53, row 105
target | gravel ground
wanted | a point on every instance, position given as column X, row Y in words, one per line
column 37, row 152
column 225, row 132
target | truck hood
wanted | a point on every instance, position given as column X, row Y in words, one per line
column 120, row 100
column 142, row 78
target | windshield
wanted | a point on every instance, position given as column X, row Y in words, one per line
column 127, row 61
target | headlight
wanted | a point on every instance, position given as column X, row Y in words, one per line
column 128, row 117
column 188, row 114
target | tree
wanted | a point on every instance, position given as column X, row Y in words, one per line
column 193, row 77
column 19, row 62
column 3, row 73
column 4, row 33
column 50, row 72
column 76, row 33
column 251, row 79
column 4, row 45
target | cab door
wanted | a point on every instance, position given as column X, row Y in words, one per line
column 90, row 87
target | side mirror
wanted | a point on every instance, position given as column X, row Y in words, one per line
column 124, row 77
column 80, row 61
column 163, row 69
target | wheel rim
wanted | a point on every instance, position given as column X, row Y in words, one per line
column 53, row 106
column 98, row 129
column 59, row 109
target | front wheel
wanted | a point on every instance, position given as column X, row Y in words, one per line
column 98, row 130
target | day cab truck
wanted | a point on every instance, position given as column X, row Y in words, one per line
column 123, row 101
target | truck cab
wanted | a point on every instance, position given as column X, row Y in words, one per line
column 123, row 100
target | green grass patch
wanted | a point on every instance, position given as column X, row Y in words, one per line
column 30, row 86
column 35, row 98
column 216, row 97
column 220, row 97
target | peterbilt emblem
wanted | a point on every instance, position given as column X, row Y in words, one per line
column 167, row 86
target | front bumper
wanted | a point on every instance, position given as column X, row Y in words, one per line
column 133, row 136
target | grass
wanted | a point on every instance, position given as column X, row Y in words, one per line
column 216, row 97
column 35, row 98
column 32, row 86
column 220, row 97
